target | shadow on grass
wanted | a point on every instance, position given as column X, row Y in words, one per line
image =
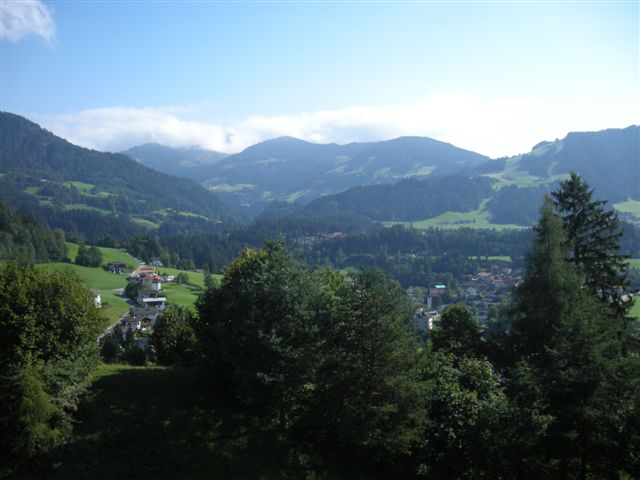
column 155, row 423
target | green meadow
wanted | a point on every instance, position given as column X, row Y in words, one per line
column 479, row 218
column 502, row 258
column 109, row 255
column 181, row 295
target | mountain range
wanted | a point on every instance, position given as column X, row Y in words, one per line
column 291, row 170
column 194, row 162
column 408, row 179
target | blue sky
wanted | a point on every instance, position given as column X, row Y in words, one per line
column 494, row 77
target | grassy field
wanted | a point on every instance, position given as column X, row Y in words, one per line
column 145, row 223
column 196, row 278
column 502, row 258
column 634, row 262
column 108, row 255
column 226, row 188
column 140, row 423
column 479, row 218
column 635, row 310
column 106, row 283
column 82, row 206
column 630, row 206
column 181, row 295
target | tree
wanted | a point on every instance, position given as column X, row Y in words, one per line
column 331, row 364
column 132, row 289
column 459, row 333
column 466, row 411
column 257, row 332
column 88, row 257
column 567, row 369
column 365, row 406
column 174, row 337
column 208, row 280
column 593, row 240
column 49, row 326
column 182, row 278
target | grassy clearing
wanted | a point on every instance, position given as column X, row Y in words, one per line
column 80, row 186
column 226, row 188
column 32, row 190
column 635, row 310
column 630, row 206
column 196, row 278
column 512, row 175
column 145, row 223
column 479, row 218
column 634, row 262
column 159, row 423
column 91, row 277
column 502, row 258
column 181, row 295
column 82, row 206
column 297, row 196
column 630, row 210
column 421, row 172
column 109, row 255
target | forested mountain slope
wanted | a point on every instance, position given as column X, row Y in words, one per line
column 96, row 193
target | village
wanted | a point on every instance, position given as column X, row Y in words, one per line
column 146, row 298
column 483, row 292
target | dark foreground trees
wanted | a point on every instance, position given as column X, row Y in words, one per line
column 329, row 361
column 567, row 372
column 48, row 331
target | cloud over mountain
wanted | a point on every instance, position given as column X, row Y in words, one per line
column 494, row 127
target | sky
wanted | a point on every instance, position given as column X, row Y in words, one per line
column 492, row 77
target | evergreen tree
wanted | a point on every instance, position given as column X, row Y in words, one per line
column 366, row 406
column 593, row 238
column 567, row 368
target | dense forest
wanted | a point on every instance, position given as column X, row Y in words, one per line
column 25, row 241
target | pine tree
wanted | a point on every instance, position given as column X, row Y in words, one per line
column 593, row 238
column 568, row 368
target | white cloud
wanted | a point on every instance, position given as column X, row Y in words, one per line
column 494, row 127
column 21, row 18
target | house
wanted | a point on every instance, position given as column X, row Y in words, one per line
column 437, row 289
column 130, row 324
column 156, row 302
column 151, row 283
column 155, row 261
column 146, row 270
column 424, row 321
column 471, row 292
column 167, row 278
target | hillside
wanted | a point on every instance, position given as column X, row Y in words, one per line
column 96, row 193
column 292, row 170
column 191, row 163
column 407, row 200
column 609, row 160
